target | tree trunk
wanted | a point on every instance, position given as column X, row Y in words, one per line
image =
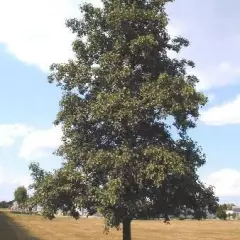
column 127, row 229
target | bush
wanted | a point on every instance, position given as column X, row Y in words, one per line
column 221, row 213
column 234, row 216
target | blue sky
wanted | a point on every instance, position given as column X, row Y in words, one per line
column 28, row 103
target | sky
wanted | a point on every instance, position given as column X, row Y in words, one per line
column 33, row 35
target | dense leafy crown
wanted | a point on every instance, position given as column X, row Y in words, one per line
column 20, row 195
column 125, row 111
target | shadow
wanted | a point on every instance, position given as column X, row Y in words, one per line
column 10, row 230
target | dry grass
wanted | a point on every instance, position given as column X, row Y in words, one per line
column 91, row 229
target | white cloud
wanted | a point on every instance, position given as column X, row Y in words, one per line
column 9, row 177
column 211, row 97
column 211, row 76
column 9, row 133
column 36, row 143
column 223, row 114
column 40, row 143
column 221, row 75
column 226, row 182
column 21, row 181
column 34, row 31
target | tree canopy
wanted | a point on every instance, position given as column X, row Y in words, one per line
column 21, row 196
column 221, row 212
column 125, row 112
column 228, row 206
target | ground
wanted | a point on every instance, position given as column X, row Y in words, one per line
column 20, row 227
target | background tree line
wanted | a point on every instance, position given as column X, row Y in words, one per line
column 6, row 204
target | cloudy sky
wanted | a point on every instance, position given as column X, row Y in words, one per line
column 33, row 35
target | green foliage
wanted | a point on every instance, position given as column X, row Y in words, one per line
column 234, row 215
column 20, row 195
column 182, row 218
column 5, row 204
column 221, row 212
column 125, row 113
column 228, row 206
column 54, row 191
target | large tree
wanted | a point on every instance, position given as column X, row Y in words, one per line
column 125, row 113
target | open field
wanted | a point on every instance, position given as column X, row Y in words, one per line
column 20, row 227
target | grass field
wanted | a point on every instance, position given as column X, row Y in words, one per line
column 20, row 227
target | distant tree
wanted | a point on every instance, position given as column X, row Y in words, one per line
column 221, row 212
column 6, row 204
column 230, row 206
column 21, row 196
column 123, row 98
column 234, row 215
column 224, row 206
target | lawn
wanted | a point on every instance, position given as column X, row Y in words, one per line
column 22, row 227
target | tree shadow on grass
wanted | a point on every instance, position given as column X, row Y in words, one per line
column 10, row 230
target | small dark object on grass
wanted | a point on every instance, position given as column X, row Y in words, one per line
column 166, row 220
